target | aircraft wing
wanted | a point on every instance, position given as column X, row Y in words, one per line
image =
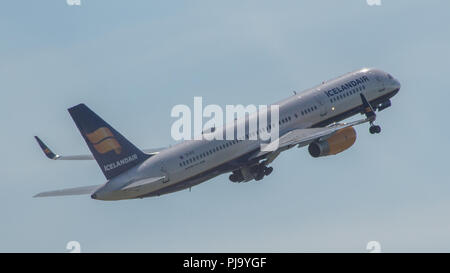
column 71, row 191
column 303, row 137
column 51, row 155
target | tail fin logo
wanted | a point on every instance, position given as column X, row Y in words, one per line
column 103, row 141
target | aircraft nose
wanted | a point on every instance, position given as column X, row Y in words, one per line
column 397, row 84
column 94, row 196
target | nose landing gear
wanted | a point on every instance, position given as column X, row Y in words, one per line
column 370, row 115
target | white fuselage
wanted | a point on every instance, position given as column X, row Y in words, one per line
column 194, row 161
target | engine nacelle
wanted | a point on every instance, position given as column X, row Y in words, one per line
column 384, row 105
column 339, row 142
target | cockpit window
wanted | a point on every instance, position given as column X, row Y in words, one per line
column 389, row 76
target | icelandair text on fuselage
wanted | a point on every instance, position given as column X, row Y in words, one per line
column 346, row 86
column 121, row 162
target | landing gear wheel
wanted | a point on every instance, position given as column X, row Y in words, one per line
column 234, row 178
column 259, row 176
column 268, row 170
column 260, row 173
column 375, row 129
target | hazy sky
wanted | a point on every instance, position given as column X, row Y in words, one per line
column 132, row 61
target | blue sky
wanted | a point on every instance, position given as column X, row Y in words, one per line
column 132, row 61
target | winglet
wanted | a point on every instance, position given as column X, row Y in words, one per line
column 46, row 149
column 367, row 109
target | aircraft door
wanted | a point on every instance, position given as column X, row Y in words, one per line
column 321, row 101
column 163, row 170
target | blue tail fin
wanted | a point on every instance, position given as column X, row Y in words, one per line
column 113, row 152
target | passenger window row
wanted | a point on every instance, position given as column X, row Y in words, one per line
column 284, row 120
column 268, row 128
column 208, row 153
column 347, row 94
column 247, row 136
column 309, row 110
column 230, row 143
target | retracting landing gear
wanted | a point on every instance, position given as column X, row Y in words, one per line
column 262, row 171
column 257, row 172
column 236, row 177
column 370, row 115
column 268, row 170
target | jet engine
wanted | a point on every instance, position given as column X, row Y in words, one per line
column 339, row 142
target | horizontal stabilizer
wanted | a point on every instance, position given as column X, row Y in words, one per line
column 153, row 151
column 71, row 191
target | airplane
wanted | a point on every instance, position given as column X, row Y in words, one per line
column 311, row 118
